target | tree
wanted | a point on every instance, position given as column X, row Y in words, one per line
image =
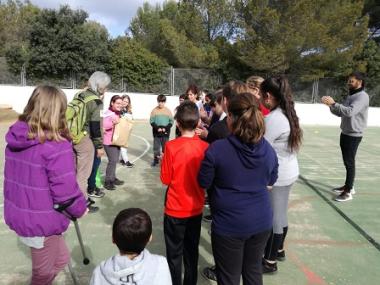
column 61, row 44
column 15, row 20
column 140, row 68
column 175, row 33
column 312, row 38
column 372, row 9
column 369, row 62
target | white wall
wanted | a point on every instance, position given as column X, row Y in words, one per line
column 142, row 104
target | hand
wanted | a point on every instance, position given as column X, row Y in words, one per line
column 85, row 213
column 328, row 100
column 203, row 114
column 160, row 130
column 201, row 132
column 99, row 152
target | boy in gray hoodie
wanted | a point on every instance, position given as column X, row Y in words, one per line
column 131, row 232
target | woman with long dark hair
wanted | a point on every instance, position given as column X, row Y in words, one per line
column 284, row 133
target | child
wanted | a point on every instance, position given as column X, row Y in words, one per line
column 131, row 232
column 161, row 120
column 111, row 118
column 184, row 197
column 126, row 112
column 254, row 83
column 181, row 99
column 39, row 174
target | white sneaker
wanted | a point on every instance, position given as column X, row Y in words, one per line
column 345, row 196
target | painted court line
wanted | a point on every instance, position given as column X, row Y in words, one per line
column 146, row 149
column 140, row 156
column 344, row 216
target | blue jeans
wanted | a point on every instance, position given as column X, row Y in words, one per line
column 91, row 182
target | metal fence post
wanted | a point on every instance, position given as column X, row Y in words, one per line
column 172, row 85
column 23, row 75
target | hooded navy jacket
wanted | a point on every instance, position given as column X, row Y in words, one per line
column 238, row 175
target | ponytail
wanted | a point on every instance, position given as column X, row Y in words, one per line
column 247, row 121
column 278, row 87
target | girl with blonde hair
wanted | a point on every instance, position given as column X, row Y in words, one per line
column 40, row 174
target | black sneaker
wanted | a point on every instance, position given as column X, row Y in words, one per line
column 281, row 255
column 109, row 186
column 269, row 268
column 207, row 218
column 155, row 162
column 118, row 182
column 95, row 193
column 122, row 162
column 90, row 201
column 128, row 164
column 340, row 190
column 344, row 197
column 92, row 209
column 209, row 273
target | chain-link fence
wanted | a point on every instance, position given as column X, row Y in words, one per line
column 174, row 81
column 312, row 91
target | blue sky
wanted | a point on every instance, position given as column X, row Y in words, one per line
column 114, row 14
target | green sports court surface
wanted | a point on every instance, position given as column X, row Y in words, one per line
column 328, row 242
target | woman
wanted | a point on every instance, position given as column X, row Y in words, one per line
column 238, row 169
column 39, row 175
column 283, row 132
column 126, row 112
column 110, row 118
column 192, row 95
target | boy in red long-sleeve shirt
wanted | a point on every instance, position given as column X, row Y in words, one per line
column 184, row 197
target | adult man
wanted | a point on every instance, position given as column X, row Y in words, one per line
column 354, row 114
column 92, row 142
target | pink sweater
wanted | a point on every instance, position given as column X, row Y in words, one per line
column 108, row 126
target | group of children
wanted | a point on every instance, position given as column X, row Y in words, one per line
column 221, row 151
column 228, row 157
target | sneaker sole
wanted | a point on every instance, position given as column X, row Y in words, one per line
column 343, row 200
column 94, row 196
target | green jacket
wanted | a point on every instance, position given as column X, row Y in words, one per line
column 92, row 124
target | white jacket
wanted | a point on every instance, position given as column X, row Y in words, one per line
column 145, row 269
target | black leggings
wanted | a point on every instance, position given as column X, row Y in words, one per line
column 349, row 146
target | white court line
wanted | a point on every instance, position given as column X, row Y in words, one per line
column 141, row 155
column 137, row 158
column 146, row 149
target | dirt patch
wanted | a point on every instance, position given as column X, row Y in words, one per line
column 8, row 116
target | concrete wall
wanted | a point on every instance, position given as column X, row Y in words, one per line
column 142, row 104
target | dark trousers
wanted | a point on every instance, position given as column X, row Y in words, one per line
column 349, row 146
column 113, row 153
column 239, row 256
column 159, row 143
column 91, row 182
column 182, row 240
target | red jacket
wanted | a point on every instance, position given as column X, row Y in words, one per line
column 179, row 170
